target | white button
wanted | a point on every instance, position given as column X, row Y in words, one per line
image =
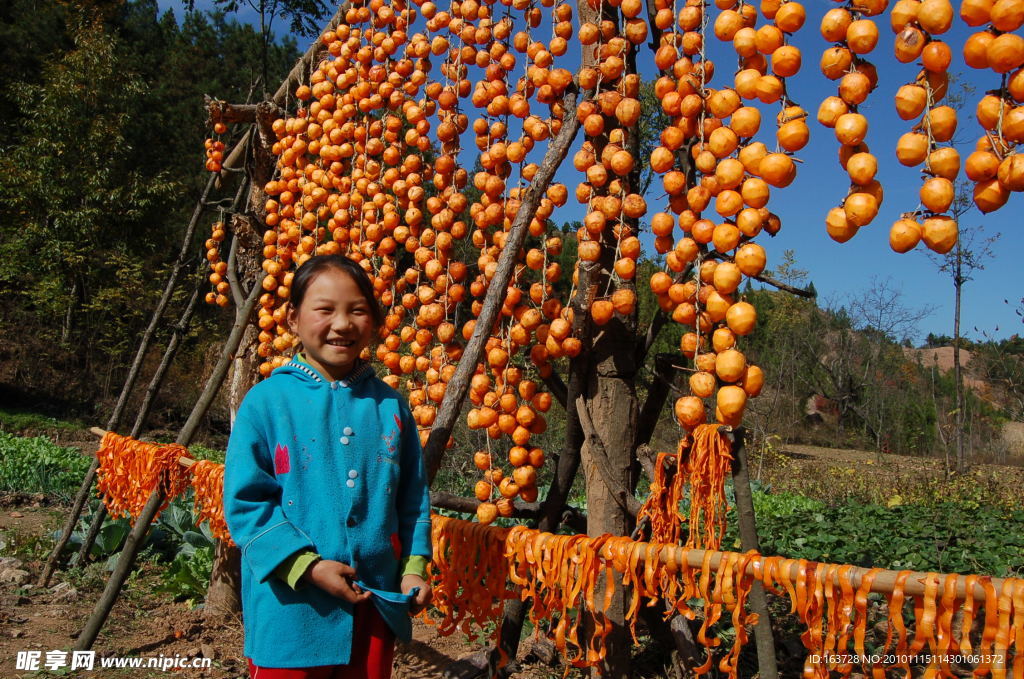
column 344, row 439
column 350, row 483
column 353, row 474
column 347, row 431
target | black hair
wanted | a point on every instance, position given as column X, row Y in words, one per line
column 316, row 265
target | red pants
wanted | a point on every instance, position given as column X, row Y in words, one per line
column 373, row 649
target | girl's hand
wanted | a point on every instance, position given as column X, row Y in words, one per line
column 335, row 578
column 423, row 596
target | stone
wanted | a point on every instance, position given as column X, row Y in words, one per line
column 63, row 592
column 15, row 576
column 208, row 651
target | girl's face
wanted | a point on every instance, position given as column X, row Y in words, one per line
column 334, row 323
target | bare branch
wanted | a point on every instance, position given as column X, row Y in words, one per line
column 808, row 294
column 556, row 385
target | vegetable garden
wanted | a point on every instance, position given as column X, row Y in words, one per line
column 430, row 143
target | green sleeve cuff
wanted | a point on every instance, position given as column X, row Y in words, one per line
column 414, row 565
column 294, row 567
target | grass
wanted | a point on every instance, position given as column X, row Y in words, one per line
column 21, row 421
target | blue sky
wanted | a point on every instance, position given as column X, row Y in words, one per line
column 843, row 271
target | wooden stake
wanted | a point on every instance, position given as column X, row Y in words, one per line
column 764, row 639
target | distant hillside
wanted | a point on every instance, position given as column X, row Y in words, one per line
column 941, row 357
column 1011, row 433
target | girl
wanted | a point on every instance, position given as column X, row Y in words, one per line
column 325, row 494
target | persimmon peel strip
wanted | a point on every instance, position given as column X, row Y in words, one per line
column 130, row 470
column 570, row 581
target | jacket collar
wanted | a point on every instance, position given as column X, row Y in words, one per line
column 360, row 371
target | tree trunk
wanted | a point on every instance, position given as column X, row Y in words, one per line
column 958, row 283
column 610, row 398
column 223, row 596
column 65, row 331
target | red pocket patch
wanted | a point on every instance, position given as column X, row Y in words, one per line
column 282, row 465
column 396, row 545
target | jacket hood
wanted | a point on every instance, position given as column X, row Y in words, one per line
column 299, row 369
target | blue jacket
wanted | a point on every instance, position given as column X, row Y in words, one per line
column 334, row 467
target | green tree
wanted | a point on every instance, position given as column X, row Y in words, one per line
column 72, row 189
column 30, row 33
column 100, row 162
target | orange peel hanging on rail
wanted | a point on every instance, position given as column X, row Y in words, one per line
column 130, row 470
column 208, row 489
column 572, row 578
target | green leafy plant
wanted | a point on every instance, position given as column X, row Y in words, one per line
column 188, row 547
column 947, row 537
column 109, row 539
column 37, row 465
column 188, row 576
column 203, row 453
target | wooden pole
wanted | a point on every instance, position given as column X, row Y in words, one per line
column 124, row 563
column 883, row 583
column 172, row 348
column 158, row 377
column 129, row 383
column 213, row 384
column 295, row 77
column 138, row 533
column 767, row 665
column 566, row 464
column 455, row 393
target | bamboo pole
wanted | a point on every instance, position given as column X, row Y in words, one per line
column 882, row 584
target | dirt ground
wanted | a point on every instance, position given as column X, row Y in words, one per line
column 148, row 623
